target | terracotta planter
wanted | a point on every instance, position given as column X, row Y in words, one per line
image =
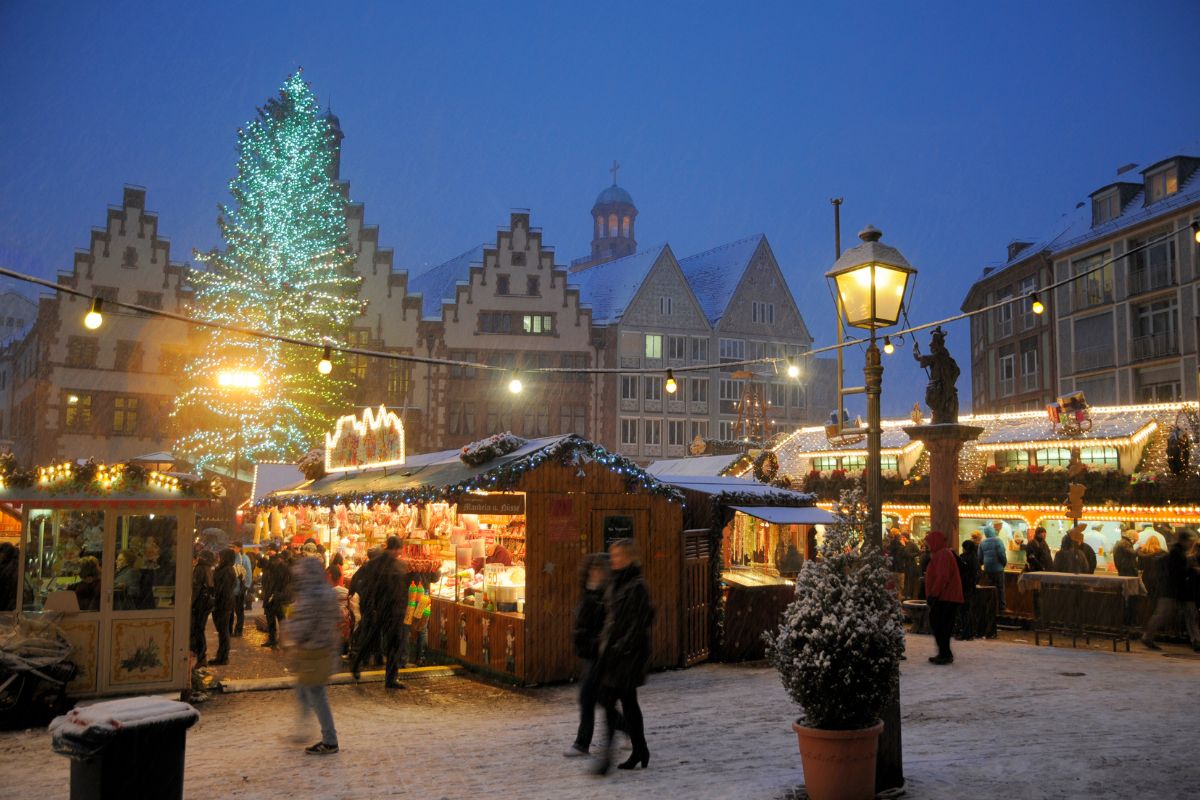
column 839, row 765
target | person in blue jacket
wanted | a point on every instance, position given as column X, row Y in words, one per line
column 994, row 559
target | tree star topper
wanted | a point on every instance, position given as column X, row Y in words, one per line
column 377, row 440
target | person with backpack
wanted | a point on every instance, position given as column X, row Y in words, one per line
column 943, row 592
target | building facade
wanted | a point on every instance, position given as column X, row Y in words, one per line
column 1124, row 331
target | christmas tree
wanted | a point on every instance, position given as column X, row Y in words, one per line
column 286, row 269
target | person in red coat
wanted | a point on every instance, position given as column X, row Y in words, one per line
column 943, row 591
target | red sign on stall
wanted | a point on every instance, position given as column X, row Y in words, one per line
column 562, row 527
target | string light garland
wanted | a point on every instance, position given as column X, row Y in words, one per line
column 286, row 269
column 93, row 478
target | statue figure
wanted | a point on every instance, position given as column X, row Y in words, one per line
column 941, row 395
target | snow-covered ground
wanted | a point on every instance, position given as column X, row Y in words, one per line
column 1006, row 720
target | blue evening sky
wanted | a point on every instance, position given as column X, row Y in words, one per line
column 954, row 127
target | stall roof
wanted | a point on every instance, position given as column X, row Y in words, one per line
column 710, row 466
column 788, row 515
column 271, row 477
column 721, row 484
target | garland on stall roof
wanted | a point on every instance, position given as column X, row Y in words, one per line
column 491, row 448
column 93, row 478
column 570, row 451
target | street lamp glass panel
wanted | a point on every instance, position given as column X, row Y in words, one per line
column 855, row 289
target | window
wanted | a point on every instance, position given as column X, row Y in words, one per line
column 889, row 463
column 1105, row 457
column 1028, row 318
column 1094, row 287
column 1004, row 314
column 654, row 345
column 762, row 312
column 698, row 390
column 1161, row 184
column 798, row 397
column 676, row 435
column 171, row 361
column 129, row 356
column 1153, row 267
column 777, row 395
column 125, row 415
column 461, row 418
column 460, row 371
column 359, row 337
column 700, row 350
column 49, row 534
column 82, row 351
column 653, row 387
column 629, row 387
column 1093, row 342
column 625, row 221
column 1053, row 457
column 150, row 299
column 725, row 431
column 130, row 257
column 854, row 463
column 1156, row 329
column 1160, row 392
column 537, row 421
column 732, row 350
column 532, row 285
column 574, row 361
column 1029, row 365
column 78, row 413
column 1012, row 459
column 140, row 579
column 399, row 378
column 612, row 225
column 517, row 259
column 629, row 431
column 1101, row 390
column 495, row 322
column 730, row 391
column 106, row 293
column 502, row 287
column 664, row 306
column 677, row 348
column 698, row 428
column 573, row 419
column 1106, row 207
column 1007, row 371
column 538, row 324
column 825, row 463
column 654, row 431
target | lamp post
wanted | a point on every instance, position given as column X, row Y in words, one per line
column 871, row 283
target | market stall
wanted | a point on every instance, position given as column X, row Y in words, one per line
column 110, row 548
column 494, row 535
column 755, row 539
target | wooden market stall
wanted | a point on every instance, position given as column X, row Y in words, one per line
column 497, row 533
column 110, row 548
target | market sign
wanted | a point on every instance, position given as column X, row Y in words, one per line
column 377, row 440
column 496, row 505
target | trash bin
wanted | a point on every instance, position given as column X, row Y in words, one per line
column 122, row 749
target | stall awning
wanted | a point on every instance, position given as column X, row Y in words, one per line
column 788, row 515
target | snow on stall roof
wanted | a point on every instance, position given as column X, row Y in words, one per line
column 127, row 712
column 709, row 484
column 438, row 284
column 711, row 466
column 788, row 515
column 1106, row 424
column 271, row 477
column 610, row 287
column 714, row 275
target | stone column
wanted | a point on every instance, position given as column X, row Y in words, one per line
column 944, row 443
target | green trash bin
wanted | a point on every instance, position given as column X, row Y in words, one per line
column 124, row 749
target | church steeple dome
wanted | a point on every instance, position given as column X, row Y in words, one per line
column 614, row 218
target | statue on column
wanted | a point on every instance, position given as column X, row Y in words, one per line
column 941, row 394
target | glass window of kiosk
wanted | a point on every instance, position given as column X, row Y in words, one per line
column 64, row 553
column 144, row 568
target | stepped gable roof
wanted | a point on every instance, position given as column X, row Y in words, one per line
column 438, row 284
column 714, row 275
column 610, row 287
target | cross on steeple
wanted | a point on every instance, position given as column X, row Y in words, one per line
column 613, row 169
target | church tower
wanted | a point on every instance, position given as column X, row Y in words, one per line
column 613, row 219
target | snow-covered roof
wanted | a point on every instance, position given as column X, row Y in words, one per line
column 438, row 284
column 714, row 275
column 610, row 287
column 719, row 484
column 812, row 441
column 710, row 466
column 270, row 477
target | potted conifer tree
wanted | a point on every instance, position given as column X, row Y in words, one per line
column 837, row 649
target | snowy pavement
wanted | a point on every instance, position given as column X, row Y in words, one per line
column 1006, row 721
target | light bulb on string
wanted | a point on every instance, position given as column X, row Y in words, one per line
column 888, row 347
column 94, row 319
column 325, row 366
column 1035, row 304
column 671, row 384
column 515, row 385
column 793, row 371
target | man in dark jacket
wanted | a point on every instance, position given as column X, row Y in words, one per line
column 968, row 564
column 589, row 624
column 276, row 586
column 1177, row 592
column 1124, row 555
column 388, row 601
column 1037, row 553
column 202, row 604
column 625, row 652
column 225, row 597
column 366, row 630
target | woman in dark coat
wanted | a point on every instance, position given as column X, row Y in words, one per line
column 202, row 604
column 969, row 567
column 625, row 652
column 589, row 624
column 225, row 583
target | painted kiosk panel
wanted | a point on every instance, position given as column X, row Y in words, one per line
column 116, row 564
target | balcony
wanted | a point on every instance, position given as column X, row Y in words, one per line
column 1089, row 358
column 1158, row 345
column 1148, row 279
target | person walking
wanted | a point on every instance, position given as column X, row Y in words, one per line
column 225, row 597
column 994, row 560
column 389, row 600
column 589, row 624
column 625, row 653
column 245, row 575
column 312, row 634
column 1037, row 553
column 969, row 568
column 366, row 627
column 202, row 605
column 276, row 585
column 1178, row 593
column 943, row 592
